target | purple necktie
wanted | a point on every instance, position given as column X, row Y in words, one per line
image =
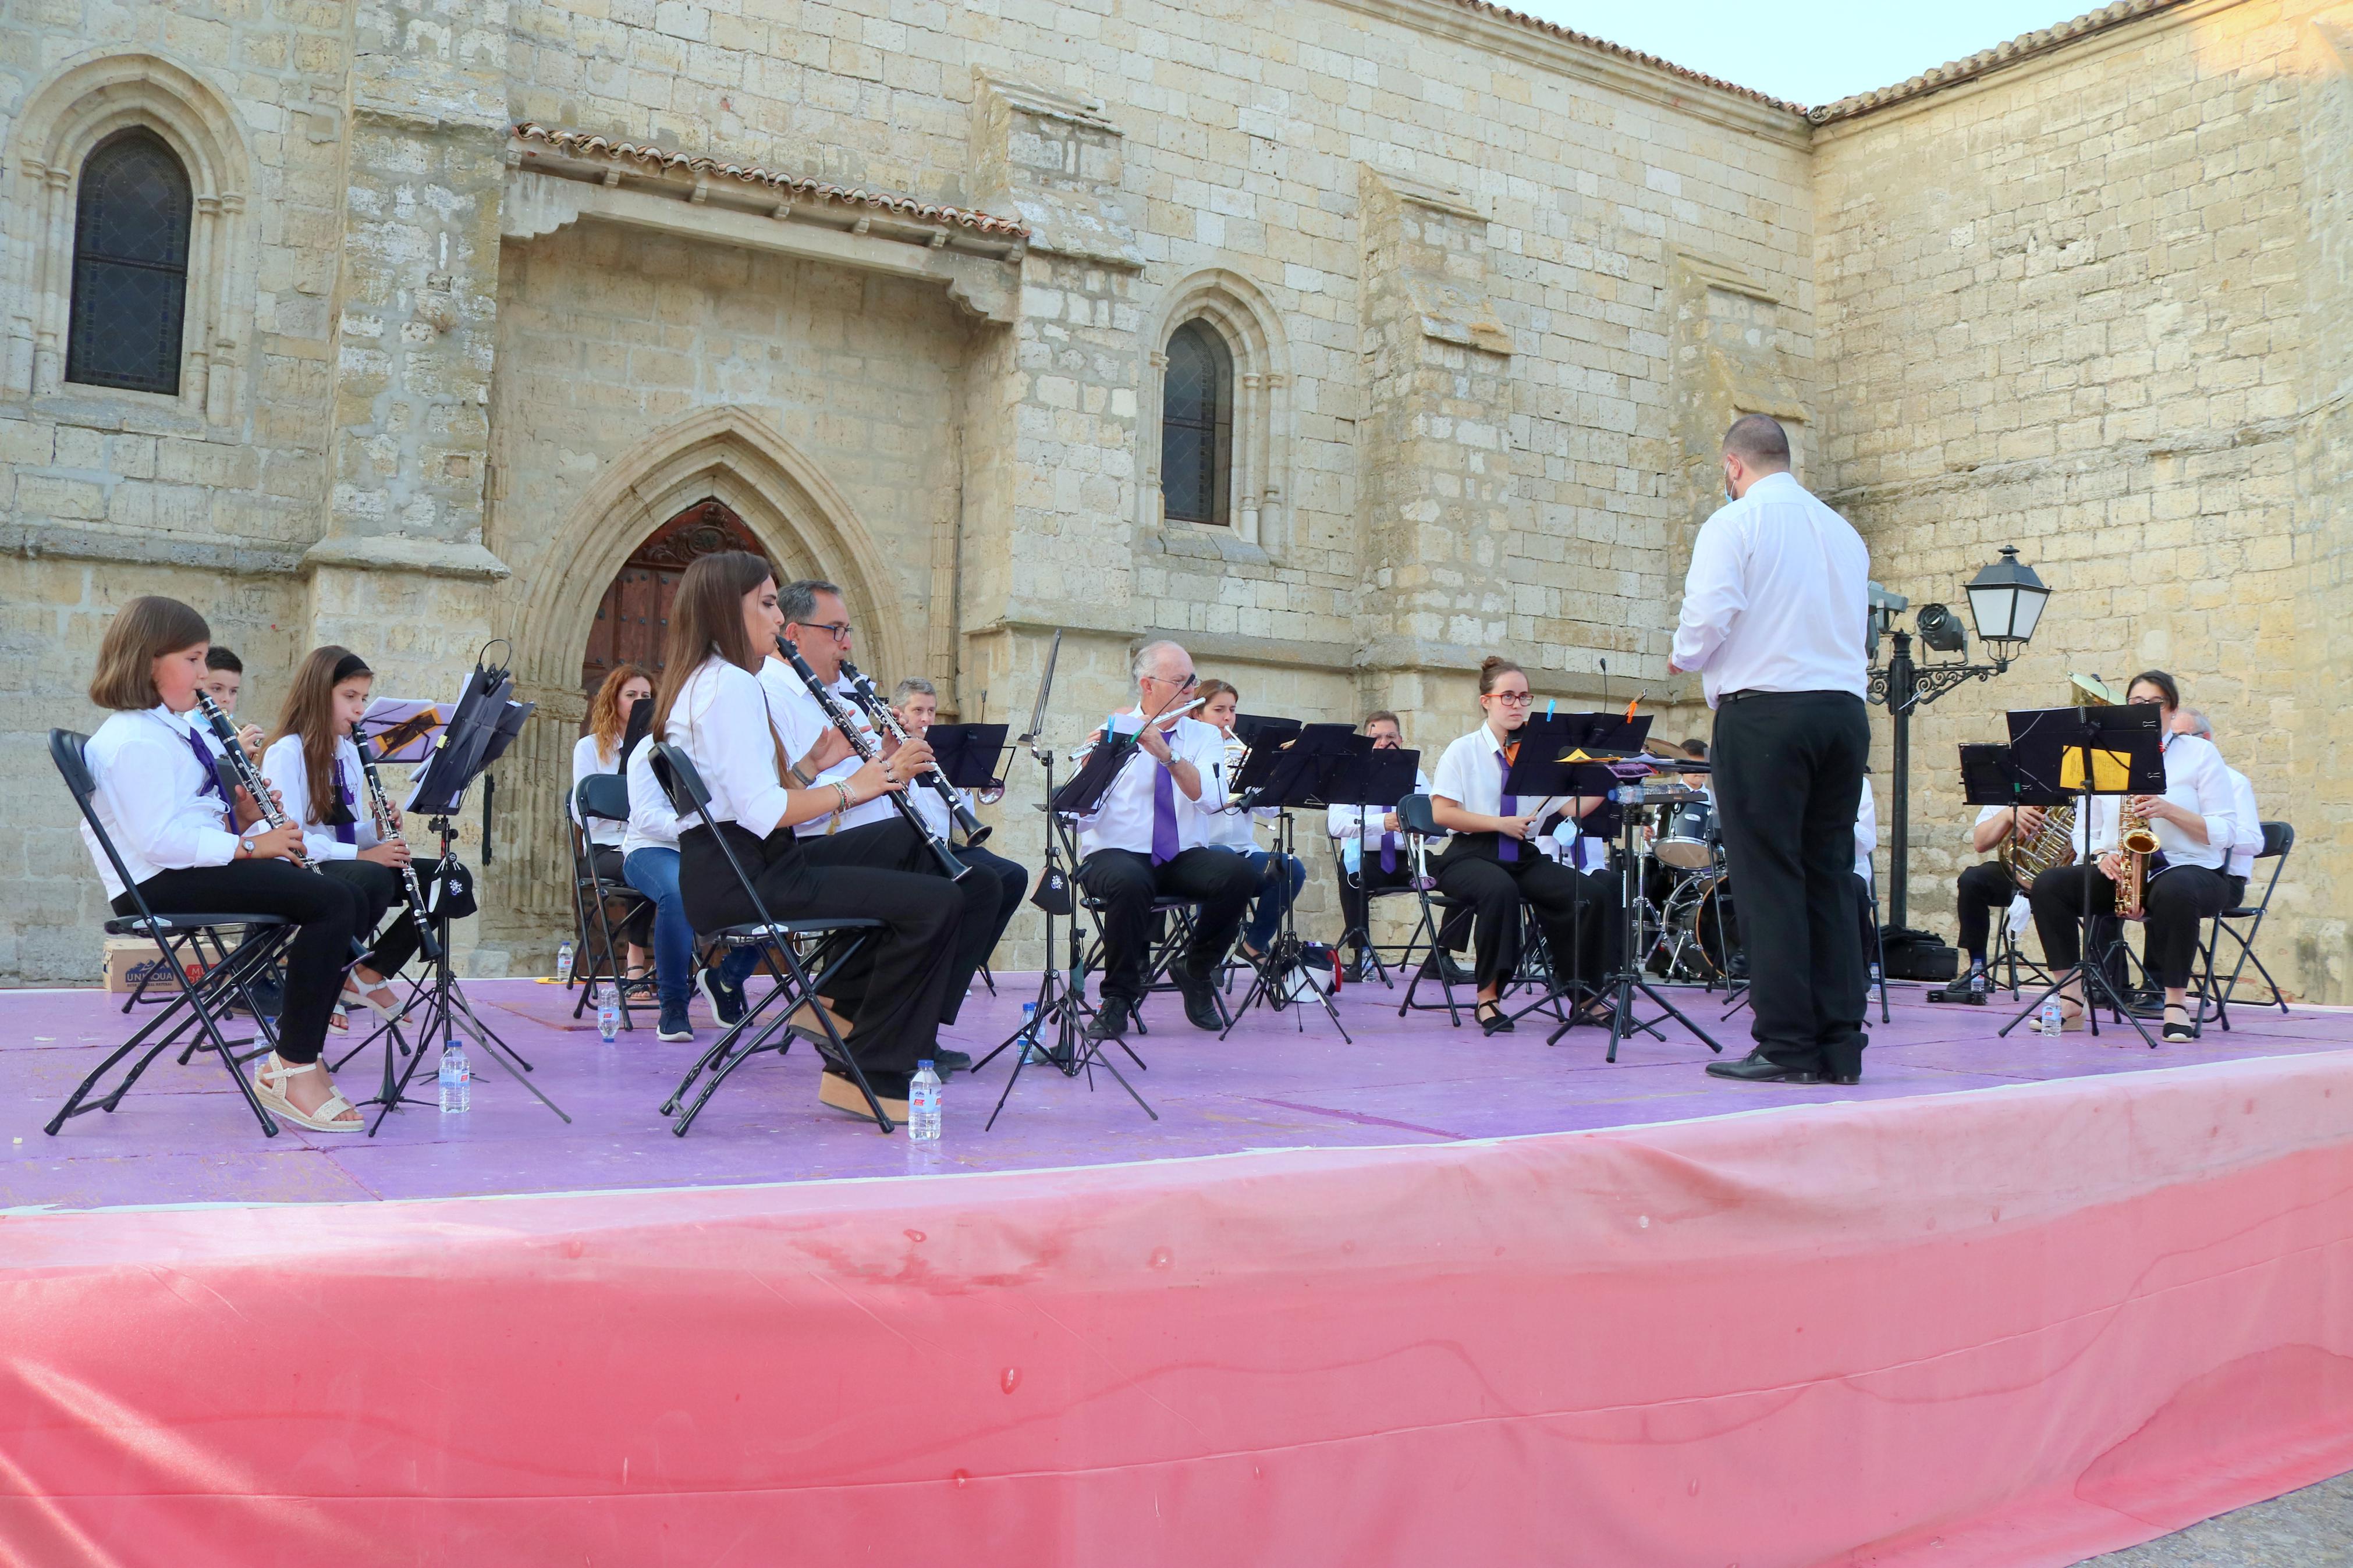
column 1164, row 817
column 1388, row 850
column 347, row 830
column 205, row 760
column 1507, row 848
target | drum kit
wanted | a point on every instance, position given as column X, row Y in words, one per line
column 1687, row 912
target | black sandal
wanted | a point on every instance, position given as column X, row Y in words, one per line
column 1493, row 1018
column 2184, row 1031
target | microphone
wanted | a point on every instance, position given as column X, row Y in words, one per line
column 1604, row 683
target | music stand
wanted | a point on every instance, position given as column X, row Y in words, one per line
column 405, row 729
column 967, row 754
column 1062, row 1003
column 1296, row 770
column 2082, row 753
column 1543, row 770
column 483, row 725
column 1368, row 778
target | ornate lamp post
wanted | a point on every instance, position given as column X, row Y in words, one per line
column 2006, row 600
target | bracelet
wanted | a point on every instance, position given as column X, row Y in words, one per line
column 842, row 790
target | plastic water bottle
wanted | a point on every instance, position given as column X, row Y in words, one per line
column 924, row 1105
column 457, row 1078
column 563, row 962
column 609, row 1013
column 2051, row 1024
column 1029, row 1032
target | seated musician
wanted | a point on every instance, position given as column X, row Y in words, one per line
column 1279, row 877
column 2185, row 880
column 2244, row 816
column 599, row 751
column 314, row 766
column 224, row 682
column 916, row 702
column 869, row 833
column 1145, row 839
column 191, row 850
column 1492, row 862
column 1991, row 885
column 710, row 705
column 1373, row 852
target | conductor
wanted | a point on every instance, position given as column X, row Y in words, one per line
column 1774, row 619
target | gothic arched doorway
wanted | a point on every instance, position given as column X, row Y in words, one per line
column 634, row 617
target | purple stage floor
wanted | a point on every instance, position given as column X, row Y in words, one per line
column 183, row 1135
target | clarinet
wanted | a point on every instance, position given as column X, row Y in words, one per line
column 381, row 810
column 959, row 808
column 248, row 776
column 862, row 741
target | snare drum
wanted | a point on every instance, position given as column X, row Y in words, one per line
column 1687, row 837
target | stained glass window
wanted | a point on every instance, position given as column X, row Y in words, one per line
column 131, row 266
column 1197, row 425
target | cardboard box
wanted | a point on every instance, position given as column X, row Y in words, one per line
column 129, row 961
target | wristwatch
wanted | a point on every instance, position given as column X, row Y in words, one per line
column 244, row 844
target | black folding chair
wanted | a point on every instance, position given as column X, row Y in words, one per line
column 602, row 797
column 1363, row 935
column 1414, row 816
column 767, row 1023
column 1172, row 920
column 2279, row 838
column 195, row 1009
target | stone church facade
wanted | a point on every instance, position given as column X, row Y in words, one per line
column 489, row 314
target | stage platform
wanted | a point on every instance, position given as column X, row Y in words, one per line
column 1427, row 1297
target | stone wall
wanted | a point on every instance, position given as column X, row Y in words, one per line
column 2081, row 306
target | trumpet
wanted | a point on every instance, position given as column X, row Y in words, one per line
column 862, row 741
column 959, row 808
column 247, row 774
column 380, row 810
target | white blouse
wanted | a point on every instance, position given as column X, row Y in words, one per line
column 152, row 798
column 281, row 764
column 588, row 761
column 721, row 722
column 2195, row 777
column 652, row 824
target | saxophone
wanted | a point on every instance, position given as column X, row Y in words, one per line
column 2137, row 849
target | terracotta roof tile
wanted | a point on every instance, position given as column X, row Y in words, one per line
column 2024, row 47
column 1586, row 40
column 660, row 160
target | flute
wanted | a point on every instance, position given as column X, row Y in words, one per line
column 381, row 810
column 1081, row 755
column 959, row 808
column 862, row 741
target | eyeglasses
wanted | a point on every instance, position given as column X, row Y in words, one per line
column 840, row 629
column 1516, row 699
column 1187, row 684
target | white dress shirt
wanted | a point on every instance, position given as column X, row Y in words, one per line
column 1122, row 819
column 281, row 764
column 721, row 722
column 2247, row 820
column 1778, row 597
column 802, row 723
column 588, row 760
column 1468, row 776
column 2195, row 777
column 1866, row 832
column 652, row 824
column 1363, row 823
column 152, row 799
column 1234, row 830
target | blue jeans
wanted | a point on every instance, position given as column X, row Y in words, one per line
column 654, row 873
column 1272, row 898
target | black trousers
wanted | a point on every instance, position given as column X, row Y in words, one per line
column 1789, row 779
column 984, row 894
column 899, row 985
column 983, row 924
column 1125, row 883
column 328, row 911
column 380, row 886
column 638, row 929
column 2174, row 901
column 1983, row 890
column 1356, row 901
column 1577, row 910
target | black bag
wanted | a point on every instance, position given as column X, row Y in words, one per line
column 1909, row 955
column 1052, row 894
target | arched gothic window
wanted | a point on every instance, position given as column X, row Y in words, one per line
column 130, row 265
column 1196, row 426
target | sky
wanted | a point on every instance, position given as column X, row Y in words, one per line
column 1808, row 51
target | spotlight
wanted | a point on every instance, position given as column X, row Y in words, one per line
column 1941, row 631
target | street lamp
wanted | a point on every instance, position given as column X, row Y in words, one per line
column 2006, row 601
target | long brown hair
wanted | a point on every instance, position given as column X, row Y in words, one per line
column 309, row 713
column 707, row 617
column 604, row 721
column 142, row 632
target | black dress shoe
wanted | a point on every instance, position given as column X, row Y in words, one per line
column 1110, row 1022
column 944, row 1061
column 1200, row 996
column 1843, row 1080
column 1759, row 1068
